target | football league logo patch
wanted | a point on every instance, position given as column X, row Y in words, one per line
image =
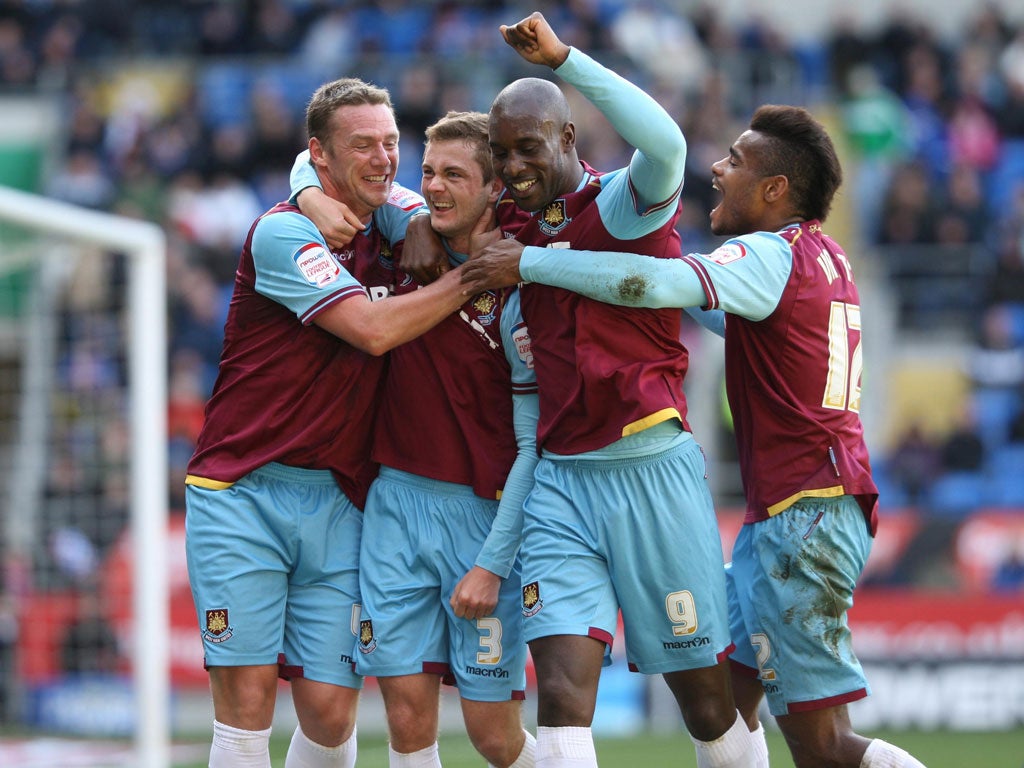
column 553, row 218
column 367, row 642
column 728, row 253
column 531, row 599
column 521, row 338
column 317, row 265
column 217, row 629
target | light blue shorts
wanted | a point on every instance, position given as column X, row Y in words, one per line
column 636, row 534
column 791, row 583
column 420, row 537
column 273, row 563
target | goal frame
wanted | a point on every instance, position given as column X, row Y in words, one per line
column 145, row 246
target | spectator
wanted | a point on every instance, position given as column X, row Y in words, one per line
column 963, row 449
column 914, row 463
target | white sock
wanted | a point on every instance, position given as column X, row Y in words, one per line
column 528, row 755
column 236, row 748
column 565, row 747
column 422, row 758
column 733, row 749
column 304, row 753
column 760, row 747
column 882, row 754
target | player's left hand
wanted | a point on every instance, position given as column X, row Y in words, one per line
column 423, row 255
column 476, row 594
column 535, row 40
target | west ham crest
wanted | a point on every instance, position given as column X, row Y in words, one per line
column 217, row 629
column 367, row 642
column 531, row 599
column 553, row 218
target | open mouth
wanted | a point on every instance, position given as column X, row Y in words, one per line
column 522, row 187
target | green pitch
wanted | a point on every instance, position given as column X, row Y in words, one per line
column 936, row 749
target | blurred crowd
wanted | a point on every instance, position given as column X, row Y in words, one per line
column 190, row 115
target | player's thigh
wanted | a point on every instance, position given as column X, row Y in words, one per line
column 806, row 562
column 666, row 562
column 488, row 655
column 238, row 568
column 403, row 625
column 566, row 584
column 323, row 602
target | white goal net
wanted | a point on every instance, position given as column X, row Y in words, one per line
column 83, row 459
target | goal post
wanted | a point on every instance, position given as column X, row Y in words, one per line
column 143, row 244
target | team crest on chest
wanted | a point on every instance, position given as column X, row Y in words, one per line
column 217, row 629
column 386, row 258
column 485, row 304
column 531, row 599
column 553, row 219
column 367, row 642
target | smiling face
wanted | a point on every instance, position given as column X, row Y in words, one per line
column 360, row 159
column 534, row 157
column 743, row 208
column 454, row 188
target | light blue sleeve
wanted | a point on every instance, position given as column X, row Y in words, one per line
column 656, row 168
column 393, row 217
column 294, row 266
column 303, row 175
column 627, row 279
column 744, row 276
column 499, row 550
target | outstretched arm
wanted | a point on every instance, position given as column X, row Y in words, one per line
column 656, row 169
column 742, row 277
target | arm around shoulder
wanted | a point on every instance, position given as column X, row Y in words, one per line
column 377, row 327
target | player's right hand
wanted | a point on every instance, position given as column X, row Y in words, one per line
column 496, row 266
column 535, row 40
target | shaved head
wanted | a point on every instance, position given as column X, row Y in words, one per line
column 534, row 96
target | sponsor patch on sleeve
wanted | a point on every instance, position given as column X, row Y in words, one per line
column 728, row 253
column 404, row 198
column 317, row 265
column 521, row 337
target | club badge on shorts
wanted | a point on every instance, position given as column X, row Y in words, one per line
column 367, row 642
column 217, row 629
column 531, row 599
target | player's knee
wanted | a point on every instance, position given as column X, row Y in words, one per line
column 498, row 746
column 327, row 714
column 824, row 750
column 561, row 702
column 411, row 727
column 241, row 700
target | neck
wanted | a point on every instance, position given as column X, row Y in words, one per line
column 459, row 244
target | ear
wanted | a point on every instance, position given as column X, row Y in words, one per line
column 495, row 192
column 316, row 152
column 568, row 137
column 775, row 188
